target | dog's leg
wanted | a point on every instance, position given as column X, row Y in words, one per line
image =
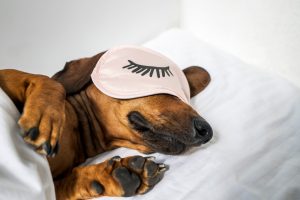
column 114, row 177
column 42, row 103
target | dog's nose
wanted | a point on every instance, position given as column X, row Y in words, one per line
column 203, row 130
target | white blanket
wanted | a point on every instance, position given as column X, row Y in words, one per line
column 255, row 153
column 23, row 173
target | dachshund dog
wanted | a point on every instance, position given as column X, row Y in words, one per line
column 69, row 119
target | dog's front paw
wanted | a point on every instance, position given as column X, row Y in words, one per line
column 115, row 177
column 43, row 116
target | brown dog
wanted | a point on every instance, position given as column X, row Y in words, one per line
column 70, row 120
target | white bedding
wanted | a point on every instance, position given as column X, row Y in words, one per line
column 24, row 174
column 255, row 153
column 255, row 116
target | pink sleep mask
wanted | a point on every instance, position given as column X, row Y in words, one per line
column 128, row 72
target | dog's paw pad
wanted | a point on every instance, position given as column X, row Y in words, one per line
column 149, row 172
column 97, row 187
column 129, row 181
column 136, row 163
column 153, row 173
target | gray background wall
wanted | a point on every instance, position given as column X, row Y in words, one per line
column 40, row 36
column 263, row 33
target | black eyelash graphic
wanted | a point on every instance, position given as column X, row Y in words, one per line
column 137, row 68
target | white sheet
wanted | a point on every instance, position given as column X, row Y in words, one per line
column 256, row 121
column 255, row 153
column 23, row 173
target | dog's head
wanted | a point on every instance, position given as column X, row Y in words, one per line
column 156, row 123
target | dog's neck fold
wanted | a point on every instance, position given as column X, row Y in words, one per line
column 90, row 133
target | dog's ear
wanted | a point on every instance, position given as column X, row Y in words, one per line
column 198, row 78
column 77, row 73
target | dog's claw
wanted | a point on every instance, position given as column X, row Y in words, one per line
column 150, row 158
column 116, row 158
column 33, row 133
column 162, row 167
column 22, row 132
column 56, row 148
column 45, row 149
column 54, row 151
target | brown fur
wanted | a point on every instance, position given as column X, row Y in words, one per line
column 69, row 111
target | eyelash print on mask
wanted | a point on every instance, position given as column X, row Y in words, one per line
column 143, row 69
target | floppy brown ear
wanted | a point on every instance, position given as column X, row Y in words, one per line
column 198, row 78
column 77, row 73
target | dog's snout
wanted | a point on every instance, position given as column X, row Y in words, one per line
column 203, row 130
